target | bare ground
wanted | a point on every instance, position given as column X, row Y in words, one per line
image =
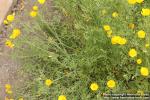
column 8, row 71
column 8, row 67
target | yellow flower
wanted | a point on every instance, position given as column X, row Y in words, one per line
column 9, row 44
column 140, row 92
column 139, row 61
column 94, row 86
column 111, row 84
column 118, row 40
column 107, row 27
column 115, row 14
column 48, row 82
column 10, row 18
column 132, row 53
column 35, row 8
column 144, row 71
column 122, row 41
column 5, row 22
column 145, row 12
column 115, row 39
column 62, row 97
column 15, row 34
column 33, row 13
column 8, row 91
column 147, row 45
column 132, row 1
column 139, row 1
column 7, row 86
column 141, row 34
column 131, row 26
column 41, row 1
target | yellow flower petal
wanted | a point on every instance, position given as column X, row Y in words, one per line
column 9, row 44
column 139, row 1
column 132, row 53
column 107, row 27
column 5, row 22
column 41, row 1
column 62, row 97
column 139, row 61
column 7, row 86
column 48, row 82
column 141, row 34
column 33, row 13
column 111, row 84
column 94, row 86
column 144, row 71
column 115, row 39
column 122, row 41
column 132, row 2
column 35, row 8
column 145, row 12
column 10, row 18
column 115, row 14
column 16, row 32
column 8, row 91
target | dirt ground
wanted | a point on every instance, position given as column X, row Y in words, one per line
column 8, row 67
